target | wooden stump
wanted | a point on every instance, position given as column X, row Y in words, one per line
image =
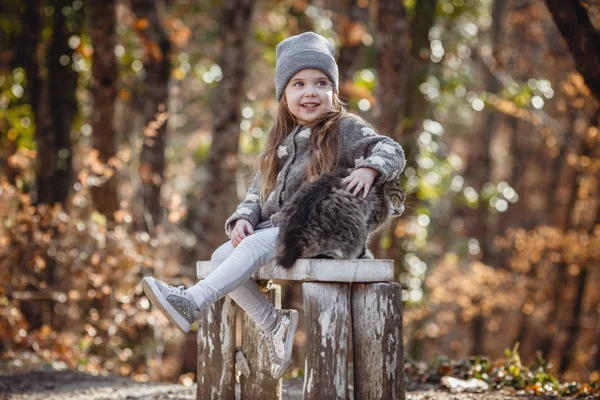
column 216, row 351
column 377, row 341
column 260, row 384
column 327, row 311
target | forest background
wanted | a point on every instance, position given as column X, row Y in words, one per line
column 129, row 130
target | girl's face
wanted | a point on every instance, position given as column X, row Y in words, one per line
column 309, row 95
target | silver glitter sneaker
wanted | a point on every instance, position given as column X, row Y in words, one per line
column 280, row 342
column 174, row 302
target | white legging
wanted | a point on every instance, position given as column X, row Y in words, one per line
column 235, row 265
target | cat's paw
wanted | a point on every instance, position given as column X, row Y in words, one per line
column 368, row 255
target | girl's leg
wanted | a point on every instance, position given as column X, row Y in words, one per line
column 233, row 276
column 248, row 295
column 182, row 306
column 254, row 251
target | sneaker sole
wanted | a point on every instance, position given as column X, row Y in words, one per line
column 289, row 344
column 153, row 293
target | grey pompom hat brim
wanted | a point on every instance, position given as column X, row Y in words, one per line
column 306, row 51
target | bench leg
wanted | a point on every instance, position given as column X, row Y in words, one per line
column 260, row 384
column 216, row 351
column 327, row 311
column 377, row 341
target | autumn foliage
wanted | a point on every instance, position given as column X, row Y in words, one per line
column 83, row 274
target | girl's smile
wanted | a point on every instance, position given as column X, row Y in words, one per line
column 309, row 95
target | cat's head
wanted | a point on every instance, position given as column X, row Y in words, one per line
column 394, row 196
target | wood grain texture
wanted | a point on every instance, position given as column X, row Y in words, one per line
column 377, row 341
column 319, row 270
column 327, row 311
column 216, row 351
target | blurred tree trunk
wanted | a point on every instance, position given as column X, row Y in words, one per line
column 585, row 215
column 25, row 51
column 564, row 200
column 219, row 196
column 479, row 164
column 46, row 153
column 13, row 48
column 595, row 361
column 62, row 105
column 581, row 37
column 416, row 106
column 392, row 72
column 53, row 135
column 391, row 65
column 102, row 21
column 352, row 29
column 155, row 92
column 26, row 56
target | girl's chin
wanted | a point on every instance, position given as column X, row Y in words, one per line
column 306, row 121
column 312, row 116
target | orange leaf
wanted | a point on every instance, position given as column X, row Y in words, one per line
column 141, row 24
column 124, row 95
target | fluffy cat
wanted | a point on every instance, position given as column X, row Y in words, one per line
column 324, row 220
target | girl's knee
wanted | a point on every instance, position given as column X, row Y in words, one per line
column 263, row 239
column 220, row 254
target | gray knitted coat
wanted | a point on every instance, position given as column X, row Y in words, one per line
column 360, row 146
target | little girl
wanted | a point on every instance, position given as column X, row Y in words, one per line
column 312, row 134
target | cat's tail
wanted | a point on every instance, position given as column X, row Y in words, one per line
column 288, row 255
column 290, row 243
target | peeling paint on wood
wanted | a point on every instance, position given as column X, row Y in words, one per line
column 216, row 351
column 377, row 341
column 327, row 310
column 319, row 270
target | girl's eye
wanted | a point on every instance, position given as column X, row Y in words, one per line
column 319, row 83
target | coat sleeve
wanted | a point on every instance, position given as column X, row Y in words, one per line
column 249, row 209
column 366, row 148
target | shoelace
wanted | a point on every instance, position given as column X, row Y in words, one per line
column 179, row 290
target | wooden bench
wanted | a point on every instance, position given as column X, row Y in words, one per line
column 339, row 296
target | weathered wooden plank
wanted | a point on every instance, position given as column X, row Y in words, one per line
column 327, row 312
column 260, row 384
column 216, row 351
column 319, row 270
column 377, row 341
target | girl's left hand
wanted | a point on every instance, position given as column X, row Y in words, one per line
column 361, row 179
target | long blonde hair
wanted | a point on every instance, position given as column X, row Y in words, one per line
column 324, row 138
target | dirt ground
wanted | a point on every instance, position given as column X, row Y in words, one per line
column 70, row 385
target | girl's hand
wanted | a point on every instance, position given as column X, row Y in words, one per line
column 361, row 179
column 239, row 232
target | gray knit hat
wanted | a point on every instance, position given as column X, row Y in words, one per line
column 308, row 50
